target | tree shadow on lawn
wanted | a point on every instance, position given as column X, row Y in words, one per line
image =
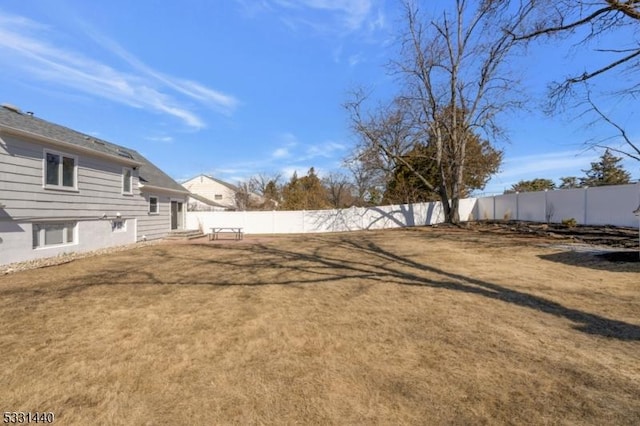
column 602, row 261
column 323, row 265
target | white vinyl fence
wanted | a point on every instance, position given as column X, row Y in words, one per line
column 607, row 205
column 337, row 220
column 603, row 205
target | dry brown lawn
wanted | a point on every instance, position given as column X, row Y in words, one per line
column 423, row 326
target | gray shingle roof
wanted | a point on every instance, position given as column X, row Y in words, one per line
column 149, row 173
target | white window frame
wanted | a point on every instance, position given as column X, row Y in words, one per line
column 39, row 235
column 59, row 185
column 124, row 177
column 157, row 204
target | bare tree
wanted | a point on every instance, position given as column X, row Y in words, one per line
column 269, row 187
column 368, row 176
column 243, row 197
column 629, row 148
column 610, row 28
column 340, row 190
column 260, row 182
column 455, row 62
column 589, row 20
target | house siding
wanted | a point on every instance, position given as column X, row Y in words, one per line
column 209, row 188
column 24, row 201
column 99, row 186
column 154, row 226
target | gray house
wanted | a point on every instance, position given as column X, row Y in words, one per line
column 63, row 191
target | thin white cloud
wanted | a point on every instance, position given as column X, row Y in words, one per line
column 26, row 46
column 289, row 139
column 288, row 171
column 323, row 16
column 289, row 155
column 551, row 165
column 192, row 89
column 164, row 139
column 280, row 153
column 355, row 59
column 326, row 150
column 548, row 162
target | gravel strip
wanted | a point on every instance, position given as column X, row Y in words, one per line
column 68, row 257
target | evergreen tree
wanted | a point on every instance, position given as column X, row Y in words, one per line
column 606, row 171
column 305, row 193
column 404, row 186
column 569, row 182
column 532, row 185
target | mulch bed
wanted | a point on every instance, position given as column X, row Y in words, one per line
column 625, row 238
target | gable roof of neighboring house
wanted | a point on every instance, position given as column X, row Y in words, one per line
column 221, row 182
column 14, row 121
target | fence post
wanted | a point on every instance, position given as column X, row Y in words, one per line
column 494, row 207
column 273, row 222
column 586, row 190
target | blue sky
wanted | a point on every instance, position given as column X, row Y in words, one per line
column 239, row 87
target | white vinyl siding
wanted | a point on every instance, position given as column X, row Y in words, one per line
column 60, row 170
column 99, row 184
column 28, row 201
column 212, row 190
column 153, row 226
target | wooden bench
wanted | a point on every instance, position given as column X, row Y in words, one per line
column 215, row 233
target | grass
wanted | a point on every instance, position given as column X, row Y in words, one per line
column 396, row 327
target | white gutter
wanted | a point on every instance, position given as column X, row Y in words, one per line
column 67, row 145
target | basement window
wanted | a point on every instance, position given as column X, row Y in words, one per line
column 53, row 234
column 119, row 225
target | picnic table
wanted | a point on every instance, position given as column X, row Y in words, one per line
column 215, row 232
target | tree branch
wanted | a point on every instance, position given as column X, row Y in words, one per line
column 586, row 76
column 623, row 133
column 560, row 28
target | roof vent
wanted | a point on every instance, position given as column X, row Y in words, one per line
column 123, row 153
column 12, row 108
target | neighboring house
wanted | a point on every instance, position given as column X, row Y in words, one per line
column 197, row 203
column 211, row 190
column 64, row 191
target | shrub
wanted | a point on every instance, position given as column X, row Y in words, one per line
column 569, row 223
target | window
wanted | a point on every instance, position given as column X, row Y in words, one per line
column 153, row 205
column 60, row 170
column 53, row 234
column 218, row 197
column 127, row 180
column 119, row 225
